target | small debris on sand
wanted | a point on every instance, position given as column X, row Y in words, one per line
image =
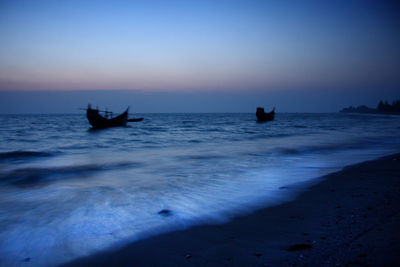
column 165, row 212
column 297, row 247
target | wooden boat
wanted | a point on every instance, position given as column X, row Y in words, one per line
column 98, row 121
column 263, row 117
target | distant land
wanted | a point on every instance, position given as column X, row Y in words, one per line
column 382, row 108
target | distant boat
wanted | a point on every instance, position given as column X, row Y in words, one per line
column 98, row 121
column 263, row 117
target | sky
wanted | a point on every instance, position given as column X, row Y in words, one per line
column 338, row 52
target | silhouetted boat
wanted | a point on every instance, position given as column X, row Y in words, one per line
column 98, row 121
column 262, row 116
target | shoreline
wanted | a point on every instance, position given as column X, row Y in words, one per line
column 350, row 218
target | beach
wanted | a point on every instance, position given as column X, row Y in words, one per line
column 199, row 133
column 350, row 217
column 201, row 189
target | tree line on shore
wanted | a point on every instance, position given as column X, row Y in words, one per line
column 381, row 108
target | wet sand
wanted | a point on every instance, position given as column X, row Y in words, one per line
column 350, row 218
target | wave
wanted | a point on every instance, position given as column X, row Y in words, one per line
column 206, row 157
column 29, row 177
column 17, row 155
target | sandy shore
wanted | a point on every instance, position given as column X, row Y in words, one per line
column 351, row 218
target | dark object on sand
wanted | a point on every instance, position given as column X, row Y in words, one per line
column 262, row 116
column 300, row 247
column 165, row 212
column 99, row 122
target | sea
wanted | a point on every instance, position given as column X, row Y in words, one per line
column 68, row 191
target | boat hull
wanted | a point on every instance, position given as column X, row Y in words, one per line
column 263, row 117
column 99, row 122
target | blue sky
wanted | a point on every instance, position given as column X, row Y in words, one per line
column 200, row 46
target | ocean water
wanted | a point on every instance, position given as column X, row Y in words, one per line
column 67, row 191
